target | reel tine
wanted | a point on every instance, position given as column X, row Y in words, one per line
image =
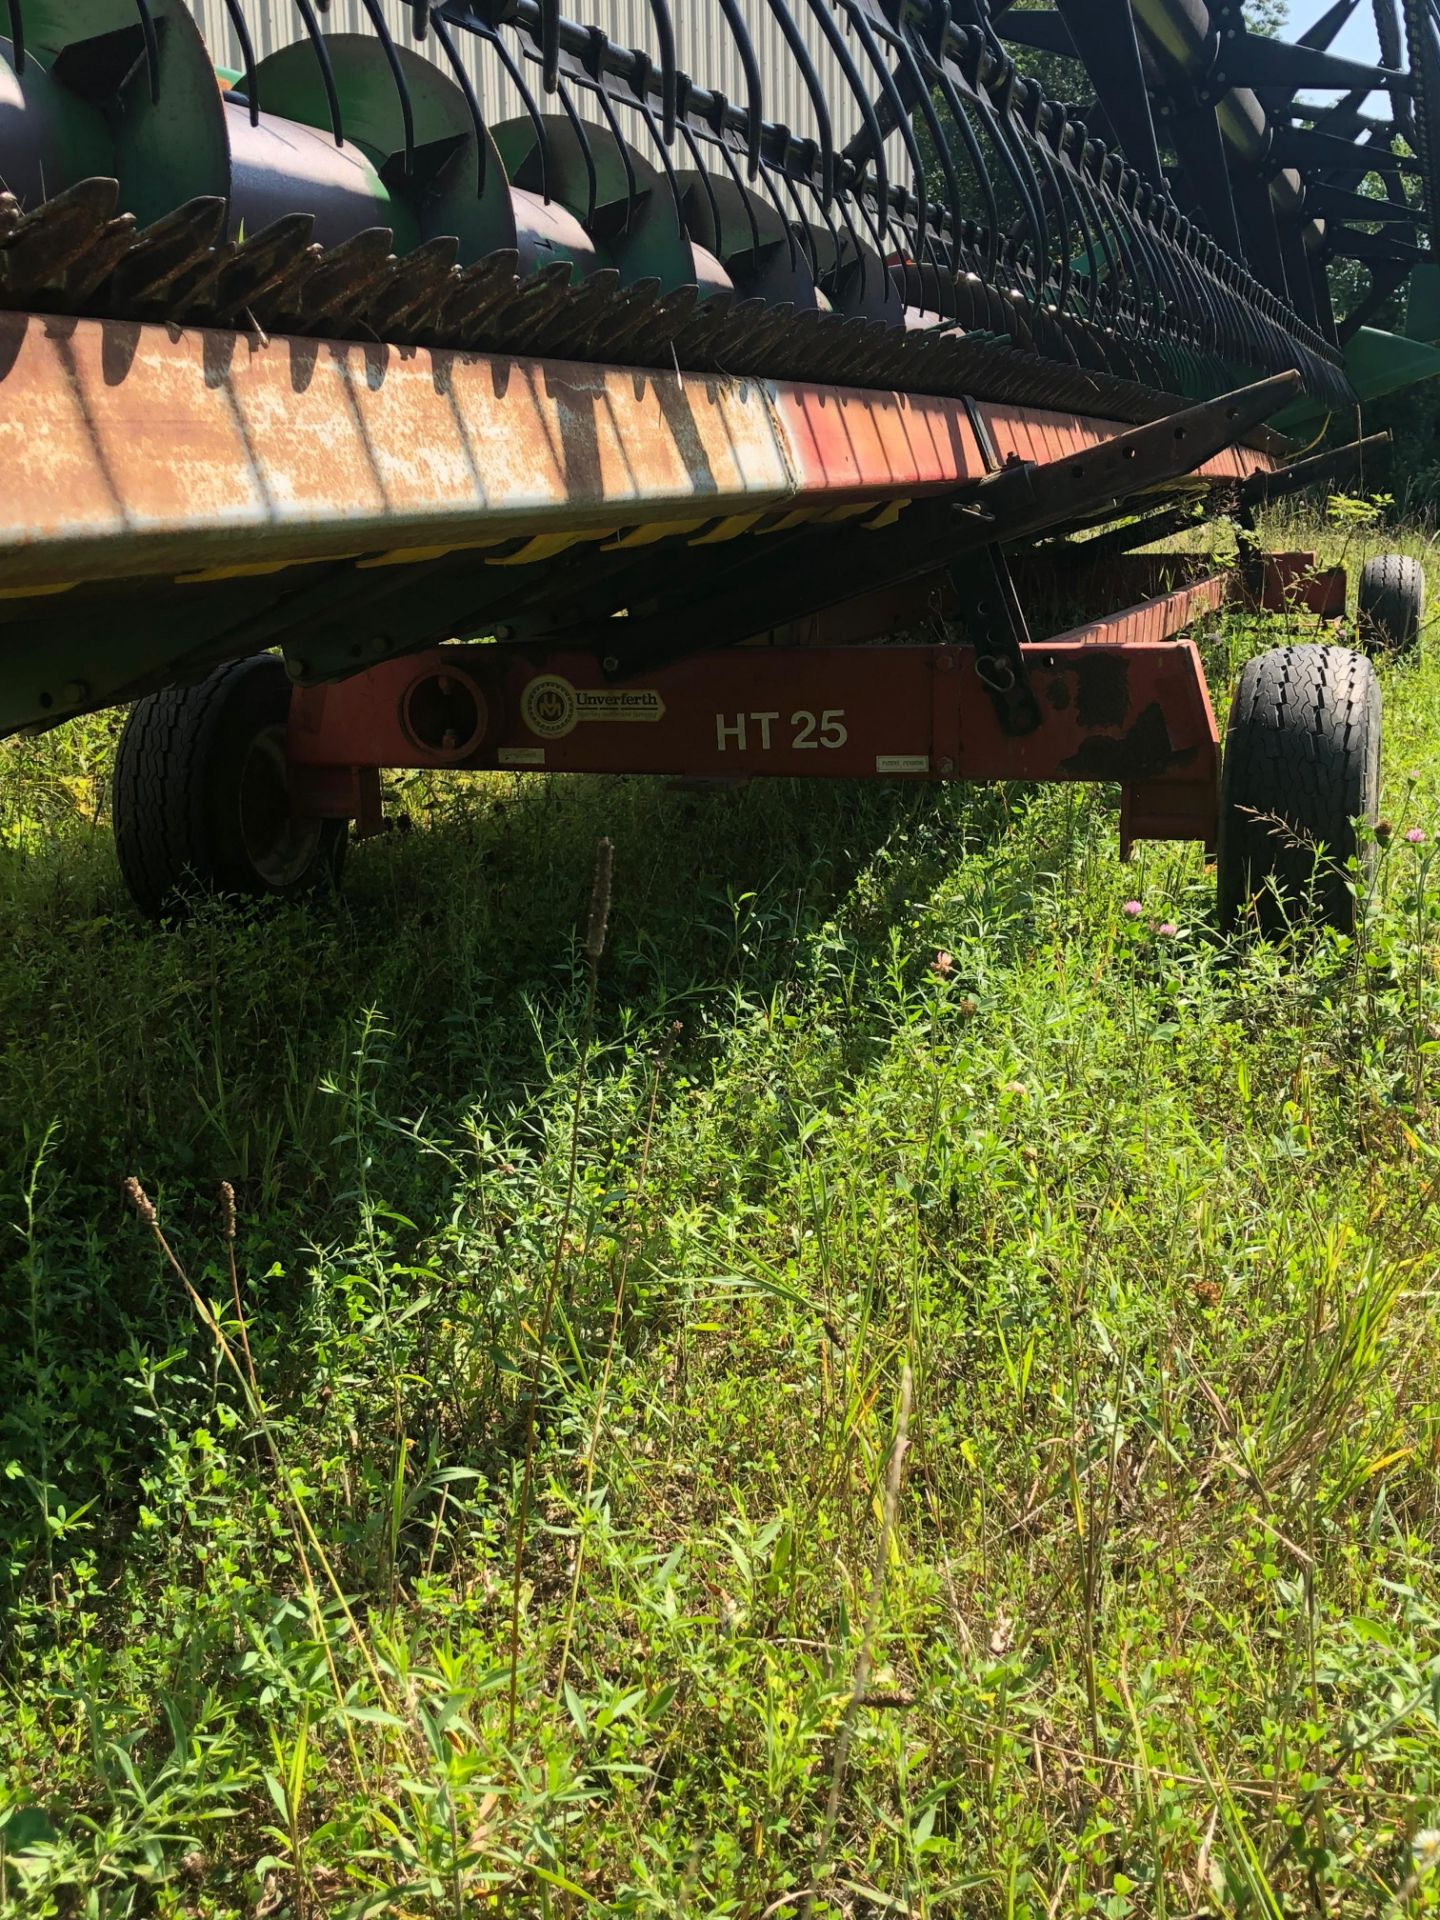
column 744, row 192
column 750, row 68
column 957, row 111
column 692, row 147
column 527, row 99
column 17, row 35
column 632, row 185
column 587, row 153
column 856, row 13
column 1047, row 178
column 916, row 84
column 800, row 53
column 835, row 40
column 327, row 72
column 801, row 226
column 669, row 71
column 152, row 48
column 775, row 202
column 1085, row 189
column 1001, row 124
column 247, row 56
column 397, row 74
column 665, row 161
column 472, row 104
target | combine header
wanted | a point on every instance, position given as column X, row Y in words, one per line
column 634, row 430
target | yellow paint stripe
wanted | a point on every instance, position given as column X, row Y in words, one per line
column 250, row 570
column 797, row 517
column 647, row 536
column 887, row 515
column 36, row 593
column 417, row 556
column 730, row 528
column 544, row 546
column 404, row 556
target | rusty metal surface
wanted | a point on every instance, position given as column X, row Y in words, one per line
column 1293, row 583
column 1037, row 433
column 1152, row 620
column 130, row 450
column 842, row 442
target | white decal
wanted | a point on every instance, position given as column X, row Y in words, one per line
column 752, row 731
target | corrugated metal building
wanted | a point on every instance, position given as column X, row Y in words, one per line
column 704, row 48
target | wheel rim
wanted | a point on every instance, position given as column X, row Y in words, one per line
column 279, row 846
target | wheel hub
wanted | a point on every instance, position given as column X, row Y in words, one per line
column 280, row 843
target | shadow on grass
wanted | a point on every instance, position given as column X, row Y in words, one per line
column 197, row 1051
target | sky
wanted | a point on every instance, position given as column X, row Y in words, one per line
column 1355, row 40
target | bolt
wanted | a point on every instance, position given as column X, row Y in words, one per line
column 448, row 741
column 74, row 691
column 944, row 662
column 945, row 766
column 297, row 669
column 610, row 663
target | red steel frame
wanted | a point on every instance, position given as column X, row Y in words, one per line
column 1122, row 698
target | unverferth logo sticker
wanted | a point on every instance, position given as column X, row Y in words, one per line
column 551, row 707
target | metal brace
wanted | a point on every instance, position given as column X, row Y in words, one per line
column 995, row 627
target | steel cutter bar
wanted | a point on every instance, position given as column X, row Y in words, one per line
column 1021, row 257
column 132, row 450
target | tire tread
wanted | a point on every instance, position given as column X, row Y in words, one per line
column 1302, row 749
column 1390, row 604
column 166, row 837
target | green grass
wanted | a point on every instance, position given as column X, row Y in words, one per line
column 1137, row 1589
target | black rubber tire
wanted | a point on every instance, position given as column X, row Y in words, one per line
column 1390, row 606
column 184, row 766
column 1302, row 763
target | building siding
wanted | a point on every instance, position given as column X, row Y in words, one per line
column 704, row 49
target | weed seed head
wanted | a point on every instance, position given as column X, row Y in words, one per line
column 1383, row 830
column 599, row 921
column 1416, row 836
column 140, row 1200
column 1132, row 909
column 227, row 1208
column 942, row 965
